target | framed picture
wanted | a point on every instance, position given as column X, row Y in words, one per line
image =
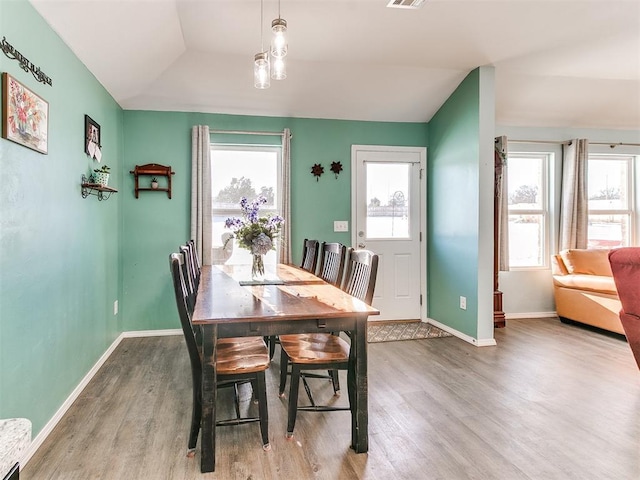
column 25, row 115
column 92, row 143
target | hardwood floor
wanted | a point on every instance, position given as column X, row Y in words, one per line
column 551, row 401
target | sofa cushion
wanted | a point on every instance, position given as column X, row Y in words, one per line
column 592, row 283
column 587, row 261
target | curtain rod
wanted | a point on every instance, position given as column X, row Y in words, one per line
column 568, row 142
column 245, row 132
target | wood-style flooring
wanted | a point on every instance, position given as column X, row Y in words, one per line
column 551, row 401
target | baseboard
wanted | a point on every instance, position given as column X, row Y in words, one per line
column 51, row 424
column 483, row 342
column 152, row 333
column 514, row 316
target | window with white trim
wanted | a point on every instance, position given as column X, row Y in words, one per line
column 528, row 183
column 242, row 171
column 610, row 194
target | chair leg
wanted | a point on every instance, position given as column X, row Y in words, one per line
column 293, row 399
column 263, row 410
column 196, row 416
column 284, row 366
column 335, row 380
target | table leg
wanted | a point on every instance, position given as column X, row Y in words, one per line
column 209, row 392
column 358, row 375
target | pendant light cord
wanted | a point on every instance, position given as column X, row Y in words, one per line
column 261, row 26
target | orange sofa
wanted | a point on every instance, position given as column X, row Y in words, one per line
column 584, row 289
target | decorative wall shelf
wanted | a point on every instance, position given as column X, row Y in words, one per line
column 101, row 191
column 153, row 170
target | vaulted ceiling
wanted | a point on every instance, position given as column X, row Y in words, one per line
column 562, row 63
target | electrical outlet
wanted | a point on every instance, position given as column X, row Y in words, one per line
column 115, row 307
column 341, row 226
column 463, row 303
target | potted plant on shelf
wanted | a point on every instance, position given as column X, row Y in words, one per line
column 101, row 175
column 154, row 183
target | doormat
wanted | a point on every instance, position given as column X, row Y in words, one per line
column 389, row 332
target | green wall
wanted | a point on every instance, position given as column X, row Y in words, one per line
column 59, row 253
column 453, row 208
column 155, row 226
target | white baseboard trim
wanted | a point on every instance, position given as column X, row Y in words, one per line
column 514, row 316
column 152, row 333
column 51, row 424
column 483, row 342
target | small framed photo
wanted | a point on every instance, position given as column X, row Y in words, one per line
column 25, row 115
column 92, row 145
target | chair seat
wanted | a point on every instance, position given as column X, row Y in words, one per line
column 315, row 348
column 241, row 355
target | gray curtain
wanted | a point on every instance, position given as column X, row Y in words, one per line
column 201, row 192
column 574, row 207
column 502, row 195
column 285, row 206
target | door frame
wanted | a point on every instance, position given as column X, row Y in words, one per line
column 422, row 151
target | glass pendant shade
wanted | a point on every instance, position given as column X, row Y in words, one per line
column 279, row 40
column 278, row 69
column 261, row 70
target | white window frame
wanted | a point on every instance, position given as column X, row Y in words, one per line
column 237, row 212
column 547, row 158
column 631, row 195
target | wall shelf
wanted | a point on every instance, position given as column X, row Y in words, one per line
column 153, row 170
column 101, row 191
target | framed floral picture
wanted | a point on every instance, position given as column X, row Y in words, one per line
column 25, row 115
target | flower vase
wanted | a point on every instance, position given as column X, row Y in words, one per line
column 257, row 267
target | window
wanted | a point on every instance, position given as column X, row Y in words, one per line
column 528, row 180
column 610, row 196
column 242, row 171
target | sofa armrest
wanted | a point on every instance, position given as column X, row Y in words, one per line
column 557, row 266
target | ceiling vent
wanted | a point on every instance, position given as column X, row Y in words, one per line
column 405, row 4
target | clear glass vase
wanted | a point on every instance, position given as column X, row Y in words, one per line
column 257, row 267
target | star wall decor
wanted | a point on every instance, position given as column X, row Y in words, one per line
column 336, row 168
column 317, row 170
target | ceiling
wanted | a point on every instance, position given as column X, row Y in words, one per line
column 561, row 63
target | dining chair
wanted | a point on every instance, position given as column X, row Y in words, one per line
column 332, row 257
column 326, row 351
column 310, row 255
column 189, row 275
column 238, row 360
column 195, row 261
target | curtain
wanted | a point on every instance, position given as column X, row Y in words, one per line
column 501, row 199
column 201, row 192
column 574, row 203
column 285, row 205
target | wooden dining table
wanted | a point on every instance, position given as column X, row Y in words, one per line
column 289, row 300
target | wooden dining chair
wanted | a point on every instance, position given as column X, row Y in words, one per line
column 326, row 351
column 310, row 255
column 238, row 360
column 189, row 275
column 195, row 261
column 332, row 257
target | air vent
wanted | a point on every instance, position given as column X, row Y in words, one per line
column 405, row 4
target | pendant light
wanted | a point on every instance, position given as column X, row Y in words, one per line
column 279, row 46
column 261, row 63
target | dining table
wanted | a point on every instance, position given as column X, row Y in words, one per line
column 288, row 300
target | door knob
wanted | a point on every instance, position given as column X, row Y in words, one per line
column 361, row 245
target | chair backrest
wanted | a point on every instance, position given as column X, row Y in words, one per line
column 310, row 255
column 360, row 274
column 180, row 289
column 332, row 257
column 195, row 259
column 189, row 275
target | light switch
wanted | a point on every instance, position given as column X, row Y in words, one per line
column 341, row 226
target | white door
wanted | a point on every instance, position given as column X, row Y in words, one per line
column 388, row 218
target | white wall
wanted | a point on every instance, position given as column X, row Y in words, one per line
column 529, row 293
